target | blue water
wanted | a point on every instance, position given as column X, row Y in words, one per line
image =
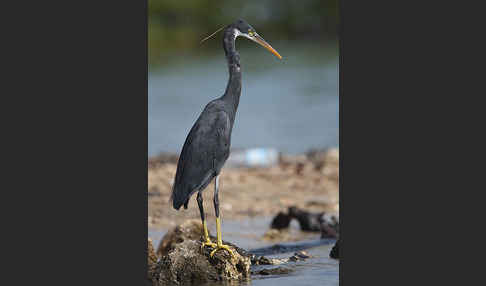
column 290, row 104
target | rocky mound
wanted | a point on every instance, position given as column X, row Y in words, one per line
column 182, row 260
column 188, row 263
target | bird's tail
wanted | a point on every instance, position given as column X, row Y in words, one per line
column 176, row 201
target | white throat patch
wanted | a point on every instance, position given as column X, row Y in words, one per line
column 236, row 33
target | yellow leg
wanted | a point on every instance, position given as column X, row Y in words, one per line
column 220, row 244
column 207, row 241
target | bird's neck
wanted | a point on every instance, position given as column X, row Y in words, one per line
column 233, row 89
column 232, row 56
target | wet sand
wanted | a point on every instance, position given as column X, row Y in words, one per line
column 306, row 181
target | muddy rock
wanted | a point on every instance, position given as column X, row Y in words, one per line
column 273, row 271
column 152, row 259
column 329, row 226
column 299, row 256
column 280, row 221
column 308, row 221
column 182, row 260
column 326, row 223
column 262, row 260
column 188, row 263
column 189, row 230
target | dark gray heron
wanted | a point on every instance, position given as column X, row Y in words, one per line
column 208, row 144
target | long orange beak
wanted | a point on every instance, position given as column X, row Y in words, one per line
column 263, row 43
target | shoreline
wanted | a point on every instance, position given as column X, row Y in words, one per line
column 309, row 181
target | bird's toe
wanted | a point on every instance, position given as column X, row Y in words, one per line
column 208, row 243
column 220, row 247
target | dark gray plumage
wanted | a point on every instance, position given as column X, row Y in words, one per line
column 204, row 153
column 207, row 146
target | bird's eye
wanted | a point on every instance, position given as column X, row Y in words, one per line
column 250, row 33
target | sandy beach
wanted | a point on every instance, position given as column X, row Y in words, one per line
column 309, row 181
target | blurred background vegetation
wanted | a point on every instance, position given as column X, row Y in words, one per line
column 177, row 26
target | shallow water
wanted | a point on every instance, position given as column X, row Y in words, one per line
column 290, row 104
column 317, row 270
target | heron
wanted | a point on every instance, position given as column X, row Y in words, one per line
column 207, row 145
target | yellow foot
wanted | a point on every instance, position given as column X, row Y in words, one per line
column 222, row 246
column 208, row 243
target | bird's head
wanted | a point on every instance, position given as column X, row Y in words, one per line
column 243, row 29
